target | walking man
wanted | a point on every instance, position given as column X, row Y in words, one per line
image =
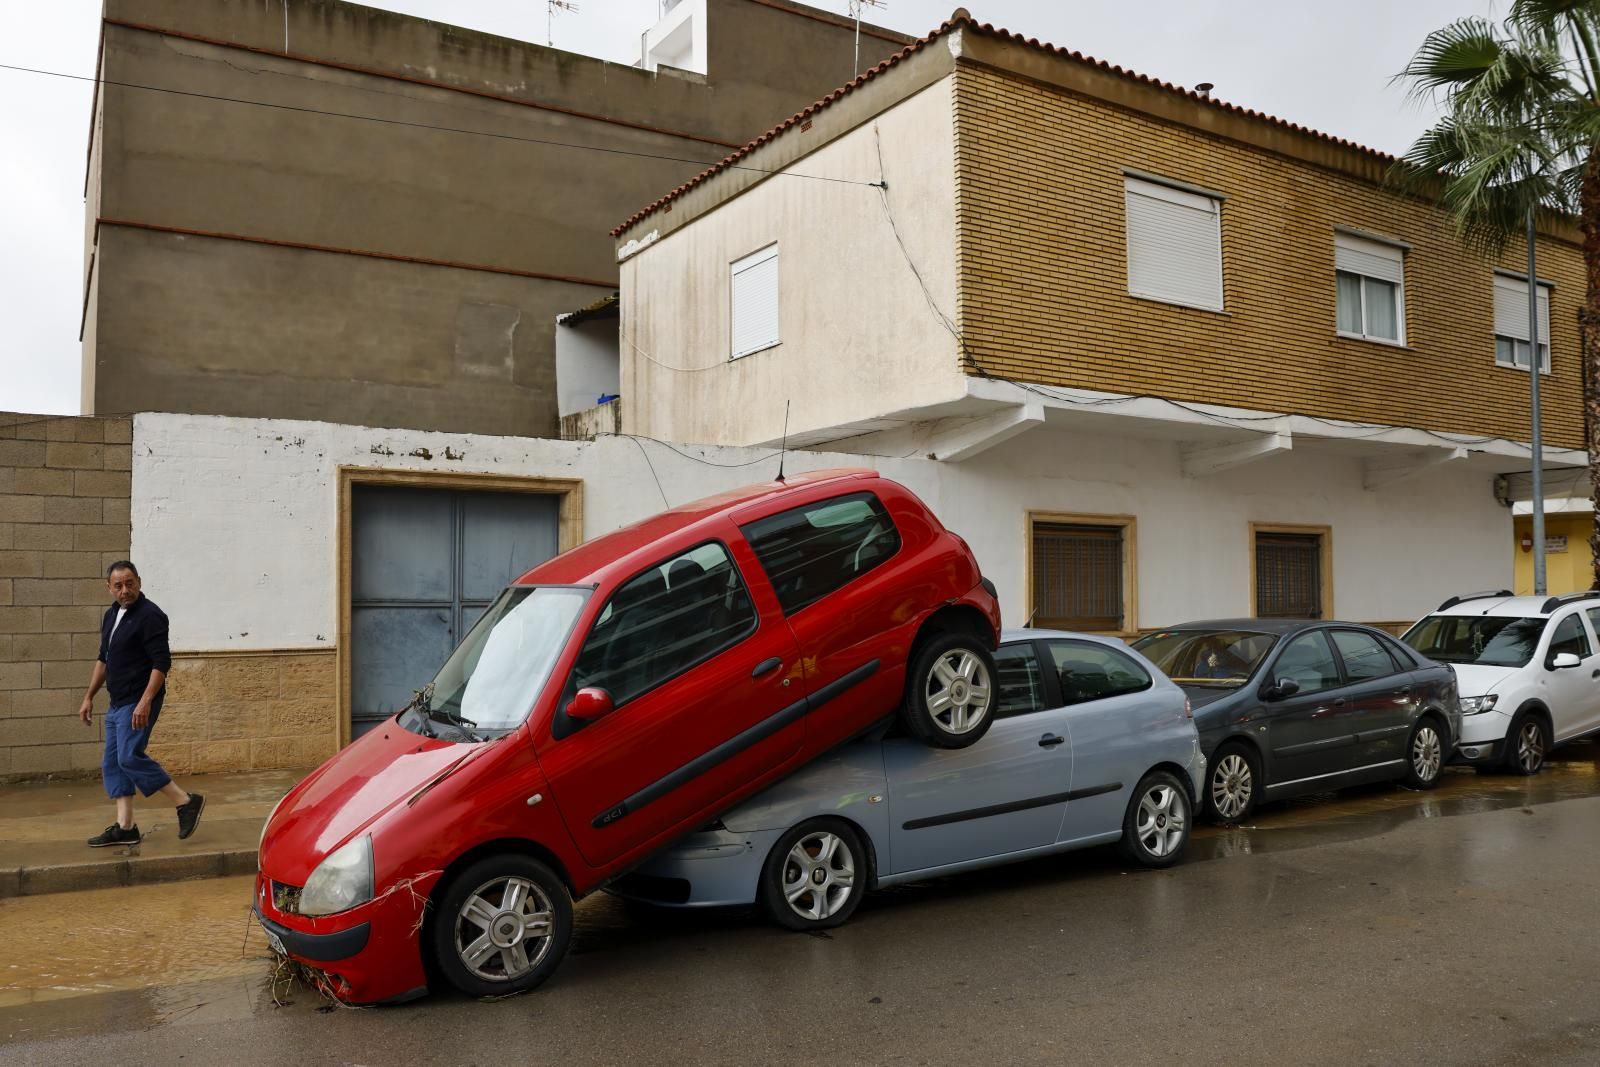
column 133, row 664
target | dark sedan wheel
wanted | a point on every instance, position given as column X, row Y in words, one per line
column 950, row 691
column 815, row 875
column 1526, row 744
column 502, row 926
column 1233, row 784
column 1155, row 829
column 1425, row 755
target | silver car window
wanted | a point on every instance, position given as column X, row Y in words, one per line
column 1087, row 671
column 1021, row 682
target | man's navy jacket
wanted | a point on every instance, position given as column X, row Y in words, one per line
column 138, row 647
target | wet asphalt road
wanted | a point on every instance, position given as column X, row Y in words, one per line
column 1375, row 927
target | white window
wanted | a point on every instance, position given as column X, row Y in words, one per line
column 1174, row 245
column 1511, row 322
column 1371, row 281
column 753, row 297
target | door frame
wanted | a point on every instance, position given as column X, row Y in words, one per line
column 1325, row 563
column 569, row 534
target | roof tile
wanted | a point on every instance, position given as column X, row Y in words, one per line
column 961, row 19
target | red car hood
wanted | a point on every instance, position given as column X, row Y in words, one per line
column 349, row 792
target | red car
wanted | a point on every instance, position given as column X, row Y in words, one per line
column 611, row 700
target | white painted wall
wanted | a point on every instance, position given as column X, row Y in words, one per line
column 586, row 364
column 234, row 520
column 858, row 339
column 677, row 40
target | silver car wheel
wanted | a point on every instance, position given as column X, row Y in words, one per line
column 1530, row 747
column 819, row 874
column 1231, row 786
column 503, row 929
column 1162, row 820
column 957, row 691
column 1426, row 753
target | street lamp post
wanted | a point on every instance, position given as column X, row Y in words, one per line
column 1535, row 365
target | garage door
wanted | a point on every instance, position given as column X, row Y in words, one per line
column 424, row 564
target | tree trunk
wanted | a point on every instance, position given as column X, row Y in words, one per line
column 1590, row 326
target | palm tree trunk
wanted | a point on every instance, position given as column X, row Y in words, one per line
column 1590, row 325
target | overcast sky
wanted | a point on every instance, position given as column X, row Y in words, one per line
column 1327, row 66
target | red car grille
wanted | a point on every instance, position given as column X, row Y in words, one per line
column 286, row 898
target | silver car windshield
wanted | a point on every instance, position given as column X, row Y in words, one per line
column 495, row 675
column 1487, row 640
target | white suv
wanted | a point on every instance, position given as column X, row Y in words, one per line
column 1528, row 668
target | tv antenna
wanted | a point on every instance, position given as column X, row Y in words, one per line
column 855, row 13
column 551, row 7
column 785, row 447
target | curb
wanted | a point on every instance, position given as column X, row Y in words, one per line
column 133, row 870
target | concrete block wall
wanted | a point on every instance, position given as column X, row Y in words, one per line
column 64, row 500
column 248, row 710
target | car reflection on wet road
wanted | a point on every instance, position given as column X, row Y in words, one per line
column 1341, row 913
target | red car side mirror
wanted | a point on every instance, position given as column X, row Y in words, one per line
column 589, row 704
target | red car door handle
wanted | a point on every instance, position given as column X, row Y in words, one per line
column 766, row 666
column 1051, row 740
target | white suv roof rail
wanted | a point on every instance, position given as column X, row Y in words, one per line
column 1453, row 601
column 1567, row 598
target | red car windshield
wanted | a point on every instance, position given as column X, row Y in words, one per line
column 493, row 678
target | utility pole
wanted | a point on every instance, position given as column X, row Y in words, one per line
column 1535, row 369
column 551, row 7
column 855, row 13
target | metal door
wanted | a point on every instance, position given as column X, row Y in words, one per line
column 424, row 564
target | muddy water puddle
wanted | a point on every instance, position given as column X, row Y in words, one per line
column 63, row 945
column 1367, row 811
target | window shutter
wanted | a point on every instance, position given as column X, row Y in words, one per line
column 1288, row 576
column 753, row 286
column 1174, row 245
column 1077, row 576
column 1511, row 309
column 1370, row 259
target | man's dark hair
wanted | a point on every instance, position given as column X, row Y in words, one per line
column 122, row 565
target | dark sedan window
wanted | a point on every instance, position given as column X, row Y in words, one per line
column 1206, row 657
column 1308, row 660
column 1093, row 672
column 1363, row 656
column 1021, row 682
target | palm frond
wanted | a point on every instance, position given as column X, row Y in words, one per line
column 1453, row 56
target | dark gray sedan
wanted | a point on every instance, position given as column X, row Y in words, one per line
column 1090, row 745
column 1292, row 707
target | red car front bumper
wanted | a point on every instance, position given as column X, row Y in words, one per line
column 371, row 954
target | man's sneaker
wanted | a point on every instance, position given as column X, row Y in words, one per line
column 116, row 835
column 189, row 815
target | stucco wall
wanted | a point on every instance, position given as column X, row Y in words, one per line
column 260, row 497
column 234, row 315
column 857, row 336
column 586, row 363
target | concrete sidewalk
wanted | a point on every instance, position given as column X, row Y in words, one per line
column 43, row 827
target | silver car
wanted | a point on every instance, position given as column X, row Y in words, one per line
column 1091, row 744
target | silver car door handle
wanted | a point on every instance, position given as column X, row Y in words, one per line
column 1051, row 740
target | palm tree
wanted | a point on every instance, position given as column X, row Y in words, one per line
column 1519, row 134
